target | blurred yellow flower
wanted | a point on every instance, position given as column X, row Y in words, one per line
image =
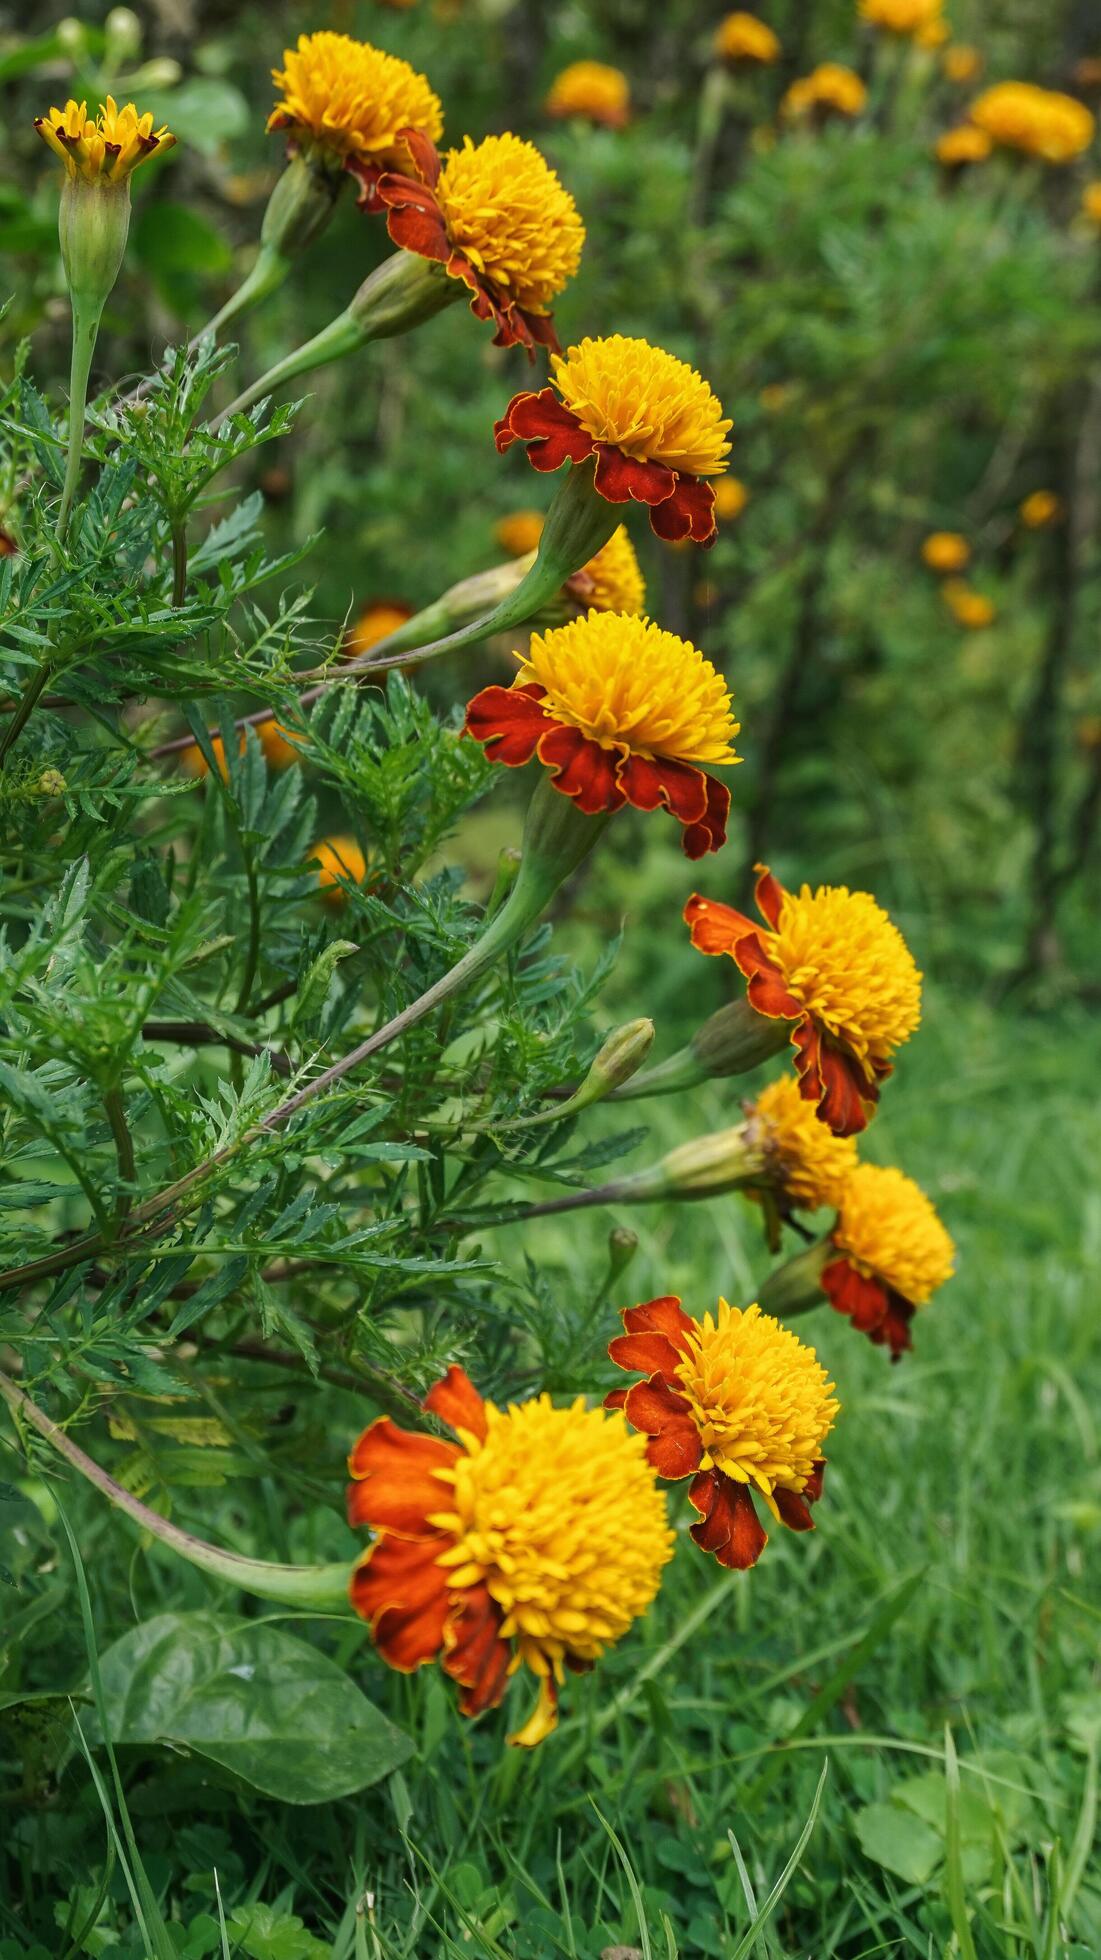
column 592, row 91
column 775, row 396
column 340, row 862
column 829, row 89
column 946, row 551
column 967, row 144
column 1040, row 510
column 350, row 99
column 1091, row 203
column 731, row 498
column 968, row 607
column 742, row 37
column 933, row 35
column 1040, row 122
column 901, row 16
column 280, row 749
column 519, row 532
column 376, row 621
column 962, row 63
column 612, row 581
column 105, row 148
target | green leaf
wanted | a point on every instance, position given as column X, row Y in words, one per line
column 265, row 1934
column 271, row 1709
column 899, row 1841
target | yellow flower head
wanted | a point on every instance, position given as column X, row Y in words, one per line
column 902, row 16
column 350, row 99
column 760, row 1399
column 510, row 217
column 559, row 1516
column 810, row 1165
column 627, row 684
column 846, row 962
column 731, row 498
column 373, row 624
column 612, row 582
column 519, row 533
column 280, row 748
column 933, row 35
column 104, row 149
column 1038, row 121
column 1091, row 203
column 340, row 862
column 649, row 404
column 830, row 89
column 946, row 551
column 967, row 144
column 1040, row 510
column 742, row 37
column 962, row 63
column 592, row 90
column 968, row 607
column 889, row 1231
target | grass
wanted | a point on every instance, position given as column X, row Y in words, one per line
column 882, row 1741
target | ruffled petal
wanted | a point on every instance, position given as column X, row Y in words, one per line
column 652, row 782
column 419, row 229
column 793, row 1509
column 615, row 1398
column 864, row 1300
column 509, row 718
column 714, row 927
column 402, row 1593
column 709, row 834
column 654, row 1408
column 582, row 769
column 552, row 434
column 457, row 1402
column 476, row 1656
column 622, row 479
column 833, row 1079
column 396, row 1488
column 645, row 1354
column 769, row 894
column 729, row 1527
column 688, row 514
column 664, row 1315
column 767, row 990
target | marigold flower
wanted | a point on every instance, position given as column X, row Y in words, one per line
column 1038, row 121
column 1040, row 510
column 104, row 149
column 933, row 35
column 519, row 533
column 893, row 1253
column 279, row 746
column 612, row 581
column 961, row 146
column 353, row 103
column 731, row 498
column 738, row 1404
column 1091, row 203
column 742, row 37
column 830, row 89
column 835, row 965
column 653, row 424
column 946, row 551
column 902, row 16
column 340, row 863
column 808, row 1166
column 968, row 607
column 495, row 215
column 962, row 63
column 593, row 91
column 376, row 622
column 194, row 763
column 535, row 1539
column 620, row 712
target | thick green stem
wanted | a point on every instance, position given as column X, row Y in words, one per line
column 86, row 319
column 23, row 710
column 322, row 1587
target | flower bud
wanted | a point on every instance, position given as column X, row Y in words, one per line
column 622, row 1246
column 52, row 783
column 72, row 37
column 616, row 1061
column 796, row 1286
column 731, row 1041
column 122, row 33
column 299, row 207
column 93, row 223
column 726, row 1160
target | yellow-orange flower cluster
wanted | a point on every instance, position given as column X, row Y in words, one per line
column 1039, row 122
column 964, row 145
column 106, row 148
column 808, row 1165
column 892, row 1255
column 904, row 16
column 611, row 582
column 352, row 101
column 592, row 91
column 968, row 608
column 961, row 63
column 508, row 214
column 946, row 551
column 1040, row 510
column 830, row 89
column 742, row 37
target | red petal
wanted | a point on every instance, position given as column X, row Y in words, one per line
column 367, row 176
column 850, row 1292
column 553, row 435
column 655, row 782
column 418, row 230
column 646, row 1354
column 710, row 833
column 729, row 1526
column 622, row 479
column 652, row 1404
column 894, row 1329
column 676, row 1452
column 767, row 989
column 401, row 1591
column 846, row 1091
column 688, row 513
column 477, row 1658
column 812, row 1489
column 510, row 719
column 397, row 1489
column 615, row 1398
column 662, row 1316
column 582, row 769
column 714, row 927
column 793, row 1510
column 769, row 894
column 457, row 1402
column 426, row 157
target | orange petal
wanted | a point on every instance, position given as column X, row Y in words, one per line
column 477, row 1658
column 396, row 1489
column 399, row 1588
column 769, row 894
column 729, row 1526
column 662, row 1316
column 457, row 1402
column 713, row 926
column 645, row 1354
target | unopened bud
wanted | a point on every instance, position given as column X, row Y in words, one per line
column 796, row 1286
column 122, row 32
column 730, row 1042
column 160, row 73
column 726, row 1160
column 52, row 783
column 71, row 36
column 299, row 207
column 616, row 1061
column 622, row 1246
column 93, row 223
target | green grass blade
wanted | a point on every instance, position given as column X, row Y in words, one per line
column 750, row 1938
column 953, row 1861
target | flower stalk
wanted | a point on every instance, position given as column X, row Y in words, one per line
column 733, row 1040
column 298, row 211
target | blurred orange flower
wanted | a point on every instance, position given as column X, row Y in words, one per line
column 830, row 89
column 340, row 862
column 377, row 620
column 1040, row 122
column 1040, row 510
column 968, row 607
column 592, row 91
column 959, row 147
column 742, row 37
column 946, row 551
column 519, row 532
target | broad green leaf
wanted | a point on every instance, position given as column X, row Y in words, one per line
column 892, row 1837
column 270, row 1708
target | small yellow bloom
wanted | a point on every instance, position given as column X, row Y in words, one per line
column 509, row 216
column 968, row 607
column 809, row 1165
column 350, row 99
column 962, row 63
column 650, row 405
column 1091, row 203
column 612, row 582
column 519, row 533
column 592, row 91
column 830, row 89
column 946, row 551
column 742, row 37
column 1041, row 510
column 846, row 963
column 340, row 862
column 888, row 1230
column 902, row 16
column 627, row 684
column 1040, row 122
column 731, row 498
column 105, row 149
column 964, row 145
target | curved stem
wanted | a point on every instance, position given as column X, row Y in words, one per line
column 85, row 331
column 324, row 1587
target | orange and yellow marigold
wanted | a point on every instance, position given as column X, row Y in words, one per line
column 592, row 91
column 741, row 37
column 892, row 1255
column 830, row 90
column 348, row 102
column 1040, row 122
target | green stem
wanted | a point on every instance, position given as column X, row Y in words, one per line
column 252, row 959
column 23, row 711
column 85, row 331
column 266, row 277
column 124, row 1151
column 179, row 562
column 323, row 1587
